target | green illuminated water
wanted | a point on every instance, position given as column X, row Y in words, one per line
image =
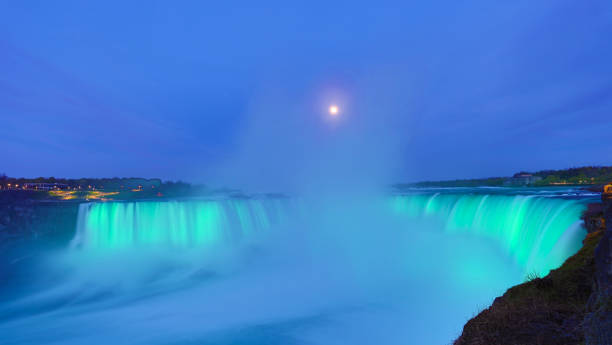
column 174, row 223
column 538, row 232
column 322, row 270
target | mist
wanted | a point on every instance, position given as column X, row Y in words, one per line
column 352, row 271
column 291, row 143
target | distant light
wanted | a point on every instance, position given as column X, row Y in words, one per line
column 333, row 110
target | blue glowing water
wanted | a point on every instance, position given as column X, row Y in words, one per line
column 410, row 268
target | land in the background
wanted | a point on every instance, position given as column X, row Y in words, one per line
column 46, row 207
column 57, row 189
column 583, row 176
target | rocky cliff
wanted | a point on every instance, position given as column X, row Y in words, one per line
column 571, row 305
column 23, row 218
column 598, row 319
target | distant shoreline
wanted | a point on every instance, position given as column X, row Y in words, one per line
column 593, row 177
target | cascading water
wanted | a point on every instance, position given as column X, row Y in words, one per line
column 174, row 223
column 539, row 232
column 390, row 270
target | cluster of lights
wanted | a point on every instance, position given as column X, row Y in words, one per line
column 64, row 195
column 65, row 192
column 71, row 195
column 97, row 195
column 36, row 186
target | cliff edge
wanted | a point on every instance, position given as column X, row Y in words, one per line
column 23, row 217
column 598, row 320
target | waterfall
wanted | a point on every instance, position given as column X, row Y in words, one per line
column 287, row 270
column 178, row 224
column 539, row 232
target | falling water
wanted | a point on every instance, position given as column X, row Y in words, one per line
column 540, row 232
column 410, row 268
column 175, row 224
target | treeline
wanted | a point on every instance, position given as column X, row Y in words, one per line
column 589, row 175
column 107, row 184
column 581, row 175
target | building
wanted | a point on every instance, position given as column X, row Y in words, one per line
column 44, row 186
column 522, row 179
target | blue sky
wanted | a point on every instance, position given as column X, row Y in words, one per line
column 229, row 91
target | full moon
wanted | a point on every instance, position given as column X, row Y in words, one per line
column 333, row 110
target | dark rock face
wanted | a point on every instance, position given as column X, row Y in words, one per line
column 598, row 320
column 593, row 218
column 547, row 310
column 29, row 219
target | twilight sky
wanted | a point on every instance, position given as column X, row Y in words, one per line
column 218, row 91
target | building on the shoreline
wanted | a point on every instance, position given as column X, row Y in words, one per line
column 44, row 186
column 522, row 179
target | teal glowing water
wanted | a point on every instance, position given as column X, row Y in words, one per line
column 539, row 232
column 405, row 269
column 174, row 223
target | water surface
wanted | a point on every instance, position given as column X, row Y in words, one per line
column 407, row 268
